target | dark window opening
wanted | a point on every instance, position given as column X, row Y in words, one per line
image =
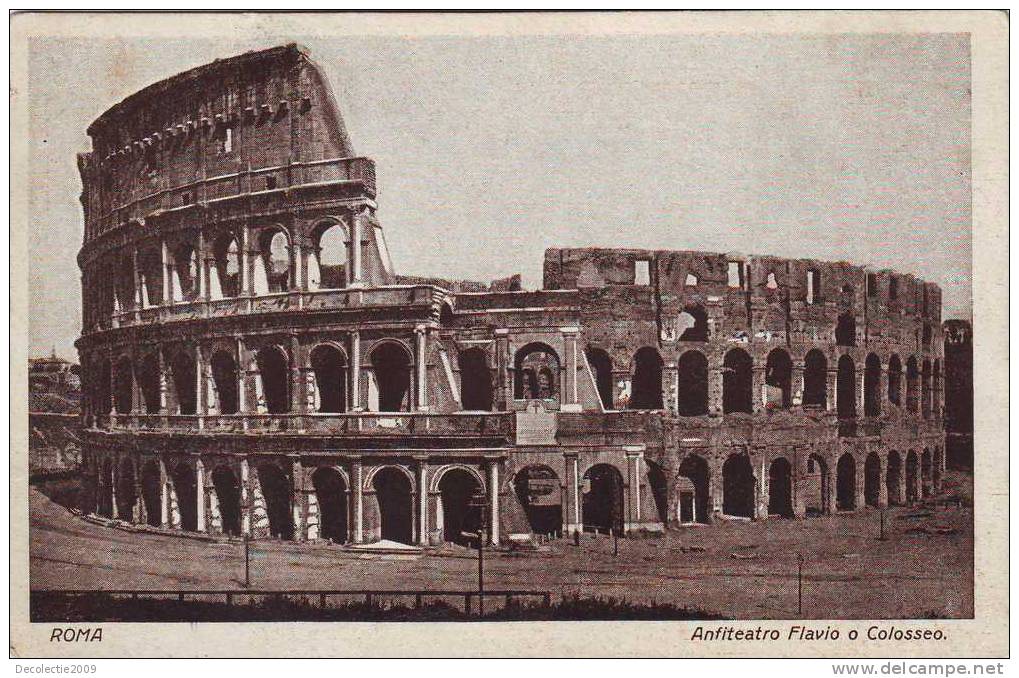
column 737, row 382
column 601, row 364
column 646, row 387
column 738, row 486
column 329, row 365
column 536, row 373
column 815, row 380
column 693, row 384
column 475, row 380
column 391, row 369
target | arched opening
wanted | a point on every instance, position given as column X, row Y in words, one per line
column 647, row 380
column 126, row 494
column 224, row 376
column 152, row 493
column 738, row 486
column 150, row 268
column 147, row 374
column 327, row 267
column 925, row 389
column 227, row 271
column 228, row 495
column 278, row 496
column 536, row 373
column 274, row 374
column 124, row 283
column 182, row 369
column 778, row 379
column 456, row 489
column 331, row 492
column 693, row 494
column 893, row 478
column 601, row 364
column 912, row 473
column 845, row 330
column 939, row 462
column 926, row 473
column 123, row 384
column 396, row 506
column 845, row 483
column 540, row 493
column 185, row 487
column 845, row 391
column 475, row 380
column 390, row 365
column 815, row 380
column 106, row 481
column 780, row 488
column 693, row 384
column 329, row 365
column 815, row 486
column 872, row 386
column 894, row 380
column 659, row 486
column 104, row 387
column 602, row 503
column 737, row 382
column 936, row 389
column 693, row 322
column 185, row 273
column 446, row 317
column 272, row 266
column 872, row 479
column 912, row 385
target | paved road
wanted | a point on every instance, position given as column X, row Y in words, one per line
column 919, row 571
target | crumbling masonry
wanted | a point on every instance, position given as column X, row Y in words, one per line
column 253, row 365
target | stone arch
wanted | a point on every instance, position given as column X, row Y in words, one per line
column 104, row 386
column 123, row 385
column 390, row 383
column 778, row 379
column 185, row 487
column 780, row 488
column 127, row 495
column 539, row 492
column 692, row 369
column 151, row 270
column 845, row 330
column 329, row 365
column 273, row 364
column 738, row 486
column 456, row 487
column 147, row 374
column 845, row 389
column 225, row 377
column 601, row 364
column 225, row 279
column 446, row 316
column 696, row 325
column 912, row 477
column 228, row 495
column 872, row 386
column 394, row 490
column 694, row 494
column 737, row 381
column 152, row 493
column 327, row 265
column 845, row 483
column 273, row 263
column 602, row 502
column 185, row 271
column 893, row 478
column 912, row 385
column 536, row 373
column 895, row 380
column 659, row 485
column 475, row 380
column 277, row 492
column 816, row 485
column 183, row 374
column 646, row 390
column 815, row 379
column 872, row 480
column 333, row 495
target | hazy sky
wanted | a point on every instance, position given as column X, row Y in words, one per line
column 490, row 150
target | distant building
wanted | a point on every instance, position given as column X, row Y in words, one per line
column 53, row 371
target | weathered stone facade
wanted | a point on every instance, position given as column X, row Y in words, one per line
column 247, row 370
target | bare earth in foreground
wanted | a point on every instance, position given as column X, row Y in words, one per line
column 923, row 569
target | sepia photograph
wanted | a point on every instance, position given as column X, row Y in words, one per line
column 490, row 324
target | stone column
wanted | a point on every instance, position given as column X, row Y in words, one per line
column 882, row 494
column 167, row 268
column 570, row 397
column 200, row 492
column 203, row 273
column 832, row 387
column 503, row 387
column 493, row 502
column 798, row 386
column 138, row 295
column 573, row 516
column 164, row 496
column 757, row 388
column 859, row 393
column 717, row 377
column 358, row 483
column 670, row 386
column 245, row 500
column 243, row 275
column 420, row 341
column 422, row 487
column 241, row 382
column 296, row 377
column 632, row 519
column 298, row 498
column 356, row 279
column 201, row 392
column 355, row 372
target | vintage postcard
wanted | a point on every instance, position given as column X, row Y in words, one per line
column 533, row 334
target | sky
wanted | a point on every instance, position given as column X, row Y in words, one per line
column 489, row 150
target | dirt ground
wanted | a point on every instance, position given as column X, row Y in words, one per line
column 924, row 567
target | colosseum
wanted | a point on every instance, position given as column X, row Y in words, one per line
column 254, row 365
